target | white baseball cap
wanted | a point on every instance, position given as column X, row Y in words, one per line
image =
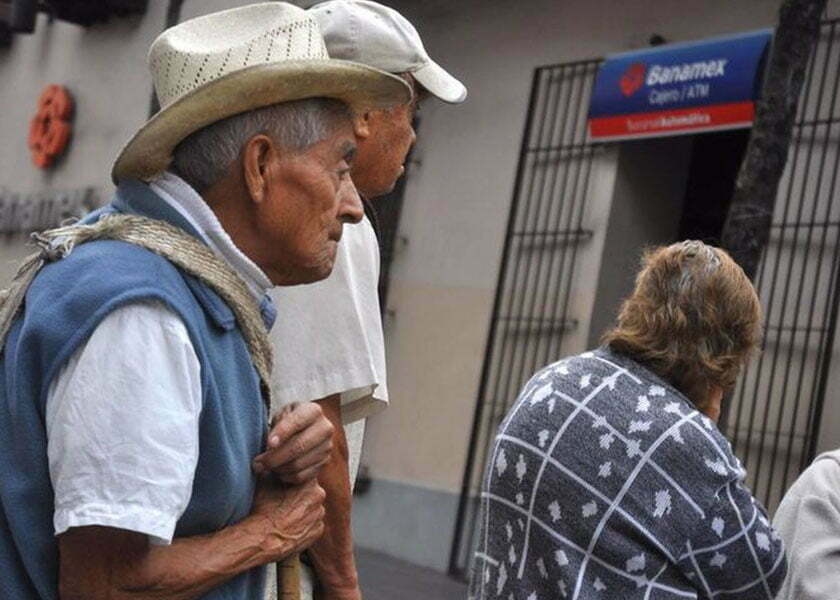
column 369, row 33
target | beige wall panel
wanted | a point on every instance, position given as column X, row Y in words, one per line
column 434, row 342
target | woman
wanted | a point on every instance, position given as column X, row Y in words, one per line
column 609, row 478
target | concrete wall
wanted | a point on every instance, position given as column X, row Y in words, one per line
column 646, row 211
column 104, row 67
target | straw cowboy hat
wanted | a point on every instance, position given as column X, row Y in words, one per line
column 229, row 62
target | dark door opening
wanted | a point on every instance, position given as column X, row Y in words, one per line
column 713, row 167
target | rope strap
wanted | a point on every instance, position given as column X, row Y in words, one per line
column 165, row 240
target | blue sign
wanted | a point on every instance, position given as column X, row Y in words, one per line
column 679, row 88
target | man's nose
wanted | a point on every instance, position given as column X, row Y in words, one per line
column 350, row 209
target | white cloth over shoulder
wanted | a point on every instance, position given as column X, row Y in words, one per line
column 123, row 446
column 328, row 335
column 808, row 519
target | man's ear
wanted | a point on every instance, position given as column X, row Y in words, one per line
column 257, row 155
column 361, row 125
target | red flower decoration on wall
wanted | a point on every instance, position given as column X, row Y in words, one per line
column 50, row 128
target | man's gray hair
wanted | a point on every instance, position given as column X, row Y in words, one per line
column 205, row 156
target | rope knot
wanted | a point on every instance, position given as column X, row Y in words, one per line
column 52, row 248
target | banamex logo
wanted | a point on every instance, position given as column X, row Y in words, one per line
column 633, row 79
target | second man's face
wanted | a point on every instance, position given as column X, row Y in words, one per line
column 380, row 160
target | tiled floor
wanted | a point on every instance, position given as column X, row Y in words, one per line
column 386, row 578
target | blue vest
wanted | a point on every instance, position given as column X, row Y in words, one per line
column 64, row 304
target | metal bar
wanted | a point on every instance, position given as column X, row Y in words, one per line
column 760, row 284
column 812, row 122
column 571, row 269
column 769, row 311
column 809, row 327
column 808, row 224
column 497, row 401
column 822, row 384
column 576, row 200
column 518, row 358
column 513, row 319
column 574, row 63
column 787, row 290
column 579, row 233
column 460, row 521
column 561, row 148
column 549, row 160
column 539, row 300
column 519, row 319
column 546, row 329
column 516, row 289
column 786, row 433
column 553, row 243
column 826, row 340
column 578, row 224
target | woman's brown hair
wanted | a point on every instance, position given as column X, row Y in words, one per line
column 693, row 318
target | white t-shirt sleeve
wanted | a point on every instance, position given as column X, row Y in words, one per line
column 328, row 335
column 122, row 425
column 808, row 519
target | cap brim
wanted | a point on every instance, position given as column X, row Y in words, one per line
column 149, row 152
column 440, row 83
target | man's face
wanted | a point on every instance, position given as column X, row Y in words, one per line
column 381, row 156
column 310, row 198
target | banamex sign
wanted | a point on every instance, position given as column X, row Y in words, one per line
column 680, row 88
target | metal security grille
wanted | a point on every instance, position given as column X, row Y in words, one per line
column 531, row 309
column 776, row 410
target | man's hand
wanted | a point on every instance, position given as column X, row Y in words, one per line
column 299, row 444
column 103, row 563
column 332, row 554
column 293, row 515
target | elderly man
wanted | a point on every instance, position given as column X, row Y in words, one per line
column 328, row 339
column 135, row 376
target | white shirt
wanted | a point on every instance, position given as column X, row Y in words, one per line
column 123, row 446
column 808, row 519
column 328, row 335
column 328, row 340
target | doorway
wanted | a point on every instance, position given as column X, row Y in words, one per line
column 666, row 190
column 715, row 160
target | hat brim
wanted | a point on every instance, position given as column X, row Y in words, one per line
column 149, row 152
column 440, row 83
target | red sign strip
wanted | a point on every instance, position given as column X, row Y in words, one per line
column 666, row 122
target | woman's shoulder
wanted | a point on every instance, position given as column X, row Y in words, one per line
column 604, row 403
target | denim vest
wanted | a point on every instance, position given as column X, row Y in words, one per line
column 64, row 304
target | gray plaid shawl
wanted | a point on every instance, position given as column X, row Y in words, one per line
column 606, row 483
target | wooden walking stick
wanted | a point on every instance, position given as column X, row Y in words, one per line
column 288, row 578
